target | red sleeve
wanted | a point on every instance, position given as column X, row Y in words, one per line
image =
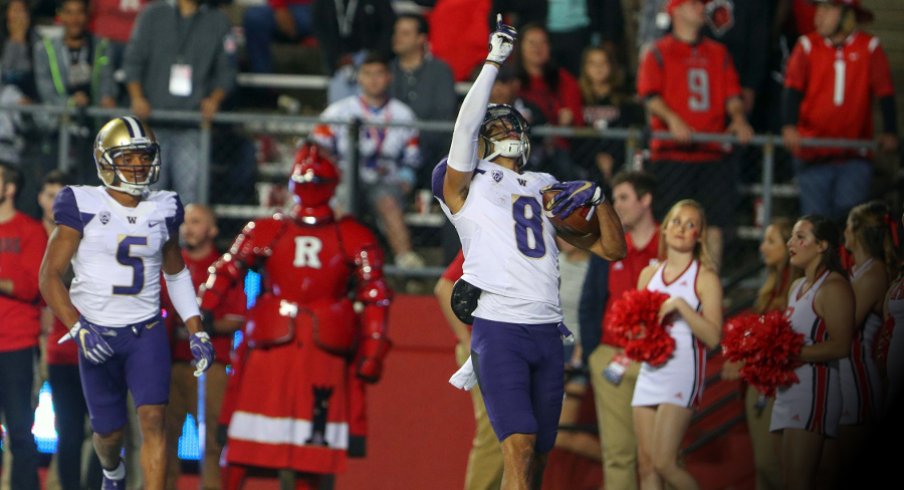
column 278, row 4
column 649, row 76
column 25, row 276
column 880, row 73
column 797, row 68
column 571, row 96
column 235, row 302
column 732, row 80
column 454, row 271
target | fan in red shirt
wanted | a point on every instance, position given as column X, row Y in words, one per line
column 22, row 244
column 198, row 232
column 832, row 79
column 304, row 333
column 690, row 85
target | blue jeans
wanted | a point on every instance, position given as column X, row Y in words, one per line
column 833, row 188
column 16, row 380
column 260, row 29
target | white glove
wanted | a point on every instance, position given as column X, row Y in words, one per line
column 502, row 40
column 465, row 378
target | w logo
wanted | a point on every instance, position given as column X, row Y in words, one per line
column 523, row 182
column 132, row 219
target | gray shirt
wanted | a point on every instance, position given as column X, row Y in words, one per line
column 430, row 92
column 162, row 38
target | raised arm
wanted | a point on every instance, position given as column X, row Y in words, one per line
column 463, row 154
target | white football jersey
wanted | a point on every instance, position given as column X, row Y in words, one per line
column 508, row 242
column 118, row 262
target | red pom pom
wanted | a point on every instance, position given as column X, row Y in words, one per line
column 767, row 345
column 635, row 318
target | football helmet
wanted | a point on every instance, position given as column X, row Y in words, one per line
column 126, row 135
column 489, row 146
column 313, row 182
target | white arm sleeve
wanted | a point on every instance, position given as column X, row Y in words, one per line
column 182, row 293
column 463, row 154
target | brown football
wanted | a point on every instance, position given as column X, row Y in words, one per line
column 582, row 223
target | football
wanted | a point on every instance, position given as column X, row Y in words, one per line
column 582, row 223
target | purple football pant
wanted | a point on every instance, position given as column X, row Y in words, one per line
column 520, row 369
column 140, row 364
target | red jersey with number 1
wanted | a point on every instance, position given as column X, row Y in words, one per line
column 839, row 84
column 695, row 80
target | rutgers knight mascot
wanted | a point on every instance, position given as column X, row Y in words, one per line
column 315, row 336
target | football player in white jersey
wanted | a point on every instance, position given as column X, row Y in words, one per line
column 118, row 237
column 511, row 261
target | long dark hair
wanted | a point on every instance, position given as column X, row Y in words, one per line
column 550, row 68
column 825, row 230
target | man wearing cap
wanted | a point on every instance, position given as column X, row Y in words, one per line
column 832, row 78
column 690, row 85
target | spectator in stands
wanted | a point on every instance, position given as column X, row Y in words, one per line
column 666, row 396
column 69, row 406
column 612, row 374
column 605, row 105
column 484, row 470
column 74, row 71
column 198, row 232
column 12, row 124
column 832, row 79
column 553, row 90
column 112, row 21
column 180, row 57
column 346, row 31
column 17, row 39
column 772, row 296
column 425, row 84
column 690, row 84
column 23, row 242
column 823, row 297
column 280, row 20
column 744, row 27
column 389, row 156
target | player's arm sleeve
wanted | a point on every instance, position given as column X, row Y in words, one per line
column 463, row 153
column 594, row 295
column 649, row 75
column 882, row 86
column 791, row 100
column 181, row 293
column 796, row 71
column 66, row 212
column 732, row 80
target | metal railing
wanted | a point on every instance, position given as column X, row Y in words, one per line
column 634, row 140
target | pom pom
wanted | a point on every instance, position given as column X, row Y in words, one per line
column 767, row 345
column 634, row 318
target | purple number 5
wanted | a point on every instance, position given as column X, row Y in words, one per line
column 529, row 226
column 124, row 257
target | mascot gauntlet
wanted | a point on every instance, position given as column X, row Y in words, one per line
column 374, row 346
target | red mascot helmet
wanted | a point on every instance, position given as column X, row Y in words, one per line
column 314, row 177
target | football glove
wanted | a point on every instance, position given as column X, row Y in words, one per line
column 573, row 195
column 502, row 40
column 202, row 351
column 91, row 342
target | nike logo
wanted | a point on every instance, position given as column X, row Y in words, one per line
column 151, row 225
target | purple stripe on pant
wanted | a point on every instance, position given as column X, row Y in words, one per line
column 140, row 364
column 520, row 369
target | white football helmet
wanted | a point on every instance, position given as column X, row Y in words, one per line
column 126, row 135
column 490, row 147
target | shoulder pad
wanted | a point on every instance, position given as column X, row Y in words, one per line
column 355, row 234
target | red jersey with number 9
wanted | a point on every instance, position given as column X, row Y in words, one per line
column 695, row 80
column 838, row 85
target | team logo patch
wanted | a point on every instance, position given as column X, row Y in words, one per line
column 104, row 217
column 523, row 182
column 497, row 175
column 720, row 16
